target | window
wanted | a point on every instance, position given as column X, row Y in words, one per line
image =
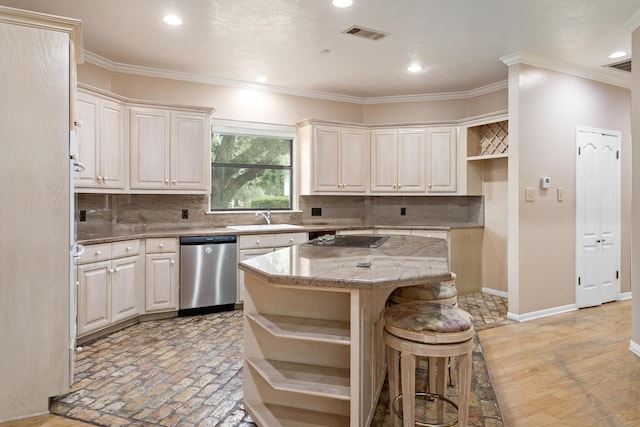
column 251, row 170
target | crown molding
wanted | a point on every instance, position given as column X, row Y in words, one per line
column 563, row 67
column 117, row 67
column 633, row 22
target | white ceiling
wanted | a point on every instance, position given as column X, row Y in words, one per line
column 459, row 41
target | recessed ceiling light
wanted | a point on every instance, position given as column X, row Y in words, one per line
column 618, row 54
column 261, row 79
column 414, row 68
column 342, row 3
column 172, row 20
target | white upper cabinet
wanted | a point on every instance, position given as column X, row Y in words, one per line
column 169, row 150
column 334, row 159
column 442, row 155
column 101, row 143
column 398, row 160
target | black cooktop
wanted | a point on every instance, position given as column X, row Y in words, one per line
column 349, row 241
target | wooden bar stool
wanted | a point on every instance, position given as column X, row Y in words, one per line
column 436, row 292
column 430, row 330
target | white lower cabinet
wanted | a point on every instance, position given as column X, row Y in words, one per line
column 109, row 285
column 161, row 283
column 254, row 245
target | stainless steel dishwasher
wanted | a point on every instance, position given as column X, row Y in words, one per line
column 207, row 274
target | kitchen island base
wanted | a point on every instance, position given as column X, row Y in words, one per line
column 313, row 355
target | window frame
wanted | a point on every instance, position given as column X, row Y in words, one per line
column 267, row 130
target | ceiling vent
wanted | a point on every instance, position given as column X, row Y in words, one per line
column 622, row 66
column 366, row 33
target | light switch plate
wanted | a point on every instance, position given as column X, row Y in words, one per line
column 528, row 194
column 560, row 194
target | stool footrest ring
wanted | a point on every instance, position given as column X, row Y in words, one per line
column 431, row 397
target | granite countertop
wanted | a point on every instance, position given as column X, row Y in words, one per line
column 400, row 261
column 89, row 238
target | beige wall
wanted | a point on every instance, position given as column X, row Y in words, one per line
column 635, row 238
column 549, row 107
column 436, row 111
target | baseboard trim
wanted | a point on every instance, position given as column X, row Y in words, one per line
column 634, row 347
column 625, row 296
column 495, row 292
column 541, row 313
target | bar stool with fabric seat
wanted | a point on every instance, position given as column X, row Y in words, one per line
column 430, row 330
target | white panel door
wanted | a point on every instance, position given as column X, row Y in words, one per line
column 111, row 144
column 326, row 170
column 190, row 143
column 150, row 149
column 597, row 217
column 442, row 155
column 384, row 161
column 354, row 160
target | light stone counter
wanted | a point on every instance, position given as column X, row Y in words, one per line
column 400, row 261
column 313, row 347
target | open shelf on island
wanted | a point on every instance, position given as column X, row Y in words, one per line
column 312, row 380
column 284, row 416
column 329, row 331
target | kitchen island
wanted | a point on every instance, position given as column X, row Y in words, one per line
column 313, row 325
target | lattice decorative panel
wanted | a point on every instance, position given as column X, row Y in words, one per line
column 494, row 138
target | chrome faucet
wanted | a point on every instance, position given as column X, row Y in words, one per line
column 266, row 215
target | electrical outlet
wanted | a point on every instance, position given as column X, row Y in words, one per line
column 403, row 211
column 185, row 213
column 316, row 211
column 83, row 215
column 529, row 194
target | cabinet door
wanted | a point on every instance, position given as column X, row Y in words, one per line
column 411, row 161
column 441, row 167
column 384, row 161
column 125, row 297
column 111, row 171
column 354, row 160
column 161, row 282
column 326, row 167
column 87, row 107
column 150, row 149
column 94, row 297
column 244, row 255
column 190, row 151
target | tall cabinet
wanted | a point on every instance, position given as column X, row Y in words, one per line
column 37, row 87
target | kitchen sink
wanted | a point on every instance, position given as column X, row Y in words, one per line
column 263, row 227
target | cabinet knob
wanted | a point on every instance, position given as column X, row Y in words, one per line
column 161, row 245
column 128, row 248
column 257, row 242
column 117, row 270
column 98, row 253
column 104, row 179
column 399, row 185
column 99, row 178
column 291, row 239
column 173, row 181
column 429, row 185
column 111, row 270
column 166, row 181
column 172, row 262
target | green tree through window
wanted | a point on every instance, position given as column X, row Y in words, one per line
column 250, row 172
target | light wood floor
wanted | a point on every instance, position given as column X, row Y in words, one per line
column 573, row 369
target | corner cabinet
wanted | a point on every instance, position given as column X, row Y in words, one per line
column 101, row 142
column 333, row 159
column 109, row 285
column 398, row 160
column 169, row 150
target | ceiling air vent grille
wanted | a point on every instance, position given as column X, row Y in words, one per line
column 366, row 33
column 622, row 66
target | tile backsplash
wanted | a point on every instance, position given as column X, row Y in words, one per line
column 108, row 214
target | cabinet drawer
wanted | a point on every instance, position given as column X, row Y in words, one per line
column 256, row 241
column 289, row 239
column 95, row 253
column 161, row 245
column 126, row 248
column 436, row 234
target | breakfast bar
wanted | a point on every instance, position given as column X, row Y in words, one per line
column 313, row 348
